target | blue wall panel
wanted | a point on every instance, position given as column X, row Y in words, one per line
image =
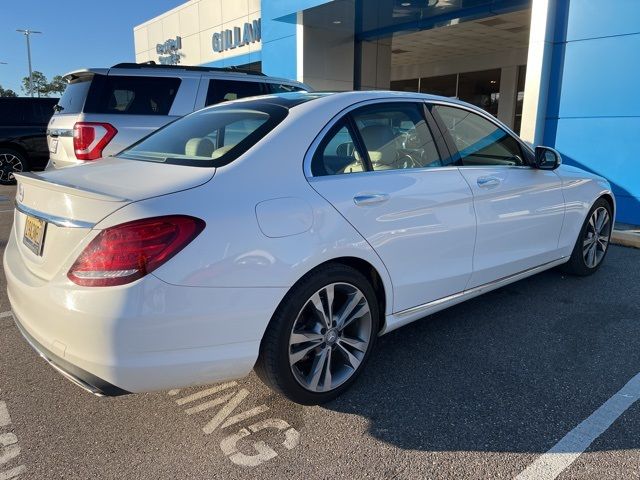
column 593, row 111
column 279, row 35
column 607, row 147
column 601, row 77
column 602, row 18
column 279, row 57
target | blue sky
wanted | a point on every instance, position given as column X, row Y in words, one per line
column 75, row 34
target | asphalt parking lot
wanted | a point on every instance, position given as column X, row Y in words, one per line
column 481, row 390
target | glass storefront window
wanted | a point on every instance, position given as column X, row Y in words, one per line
column 444, row 85
column 522, row 75
column 478, row 88
column 481, row 89
column 405, row 85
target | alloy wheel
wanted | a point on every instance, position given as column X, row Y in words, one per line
column 330, row 337
column 596, row 237
column 9, row 164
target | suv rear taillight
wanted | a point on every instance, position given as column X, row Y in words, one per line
column 90, row 138
column 129, row 251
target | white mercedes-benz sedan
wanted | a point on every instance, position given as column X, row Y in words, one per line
column 286, row 233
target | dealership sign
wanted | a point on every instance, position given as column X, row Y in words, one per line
column 228, row 39
column 168, row 51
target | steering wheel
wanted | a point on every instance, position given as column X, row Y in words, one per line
column 406, row 160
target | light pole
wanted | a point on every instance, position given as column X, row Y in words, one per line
column 27, row 33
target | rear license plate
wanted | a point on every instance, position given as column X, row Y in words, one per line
column 53, row 147
column 33, row 237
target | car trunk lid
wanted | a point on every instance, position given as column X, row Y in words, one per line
column 68, row 203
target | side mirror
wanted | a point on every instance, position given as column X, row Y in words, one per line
column 547, row 158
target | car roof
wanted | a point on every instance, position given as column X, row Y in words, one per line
column 177, row 70
column 343, row 99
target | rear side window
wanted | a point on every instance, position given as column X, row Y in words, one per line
column 40, row 112
column 11, row 112
column 338, row 153
column 210, row 137
column 24, row 111
column 116, row 94
column 74, row 95
column 226, row 90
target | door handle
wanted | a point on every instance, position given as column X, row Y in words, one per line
column 370, row 198
column 488, row 182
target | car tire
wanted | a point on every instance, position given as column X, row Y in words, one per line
column 592, row 244
column 11, row 161
column 298, row 349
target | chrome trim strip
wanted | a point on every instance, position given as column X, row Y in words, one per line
column 60, row 132
column 54, row 219
column 480, row 288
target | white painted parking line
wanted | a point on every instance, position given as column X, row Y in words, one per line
column 6, row 314
column 574, row 443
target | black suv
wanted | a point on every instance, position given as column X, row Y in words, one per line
column 23, row 135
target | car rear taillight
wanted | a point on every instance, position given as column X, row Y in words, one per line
column 90, row 138
column 129, row 251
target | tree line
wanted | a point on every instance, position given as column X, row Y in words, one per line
column 41, row 86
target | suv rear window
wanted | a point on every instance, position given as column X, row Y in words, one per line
column 74, row 95
column 211, row 137
column 225, row 90
column 116, row 94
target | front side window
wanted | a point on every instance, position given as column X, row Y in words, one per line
column 396, row 136
column 226, row 90
column 210, row 137
column 479, row 141
column 116, row 94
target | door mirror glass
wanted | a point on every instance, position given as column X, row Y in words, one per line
column 547, row 158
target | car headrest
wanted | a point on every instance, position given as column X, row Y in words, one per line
column 199, row 147
column 376, row 137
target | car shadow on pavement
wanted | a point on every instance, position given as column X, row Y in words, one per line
column 513, row 370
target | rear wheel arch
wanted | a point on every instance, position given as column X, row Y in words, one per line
column 273, row 365
column 362, row 266
column 374, row 277
column 609, row 198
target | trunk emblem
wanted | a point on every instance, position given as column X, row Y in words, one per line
column 20, row 195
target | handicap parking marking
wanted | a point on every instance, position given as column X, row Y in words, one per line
column 574, row 443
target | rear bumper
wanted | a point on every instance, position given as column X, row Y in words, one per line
column 141, row 337
column 74, row 374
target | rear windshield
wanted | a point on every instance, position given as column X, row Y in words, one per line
column 115, row 94
column 211, row 137
column 74, row 95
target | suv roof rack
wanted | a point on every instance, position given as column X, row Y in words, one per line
column 152, row 64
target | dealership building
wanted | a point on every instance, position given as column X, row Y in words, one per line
column 560, row 72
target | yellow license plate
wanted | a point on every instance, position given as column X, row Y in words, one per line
column 34, row 229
